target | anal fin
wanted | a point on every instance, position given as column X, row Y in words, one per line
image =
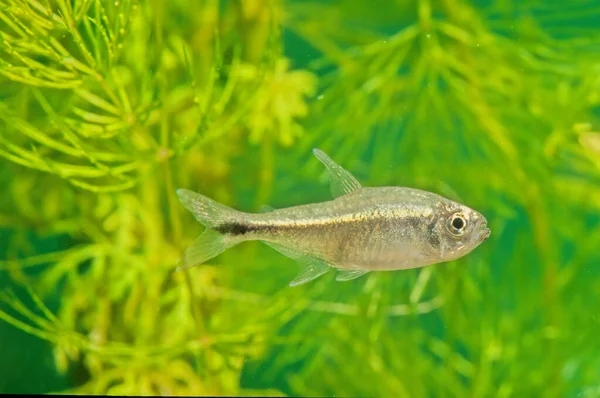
column 349, row 274
column 310, row 267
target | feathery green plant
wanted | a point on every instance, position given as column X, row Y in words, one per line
column 107, row 107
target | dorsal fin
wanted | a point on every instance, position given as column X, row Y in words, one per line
column 266, row 209
column 342, row 182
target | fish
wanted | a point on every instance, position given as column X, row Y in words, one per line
column 362, row 229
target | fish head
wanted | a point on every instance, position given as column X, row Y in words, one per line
column 456, row 230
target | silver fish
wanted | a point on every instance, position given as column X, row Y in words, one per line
column 361, row 230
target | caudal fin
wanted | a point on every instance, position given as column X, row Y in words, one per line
column 210, row 214
column 208, row 245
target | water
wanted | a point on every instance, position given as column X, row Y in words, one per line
column 492, row 103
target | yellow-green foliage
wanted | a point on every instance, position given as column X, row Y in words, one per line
column 107, row 107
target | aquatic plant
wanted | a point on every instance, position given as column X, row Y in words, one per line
column 107, row 107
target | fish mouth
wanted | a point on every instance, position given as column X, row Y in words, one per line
column 485, row 232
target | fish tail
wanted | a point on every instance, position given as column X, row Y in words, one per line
column 216, row 238
column 208, row 212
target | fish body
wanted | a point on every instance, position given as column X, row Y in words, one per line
column 361, row 230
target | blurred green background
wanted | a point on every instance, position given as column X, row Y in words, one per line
column 107, row 107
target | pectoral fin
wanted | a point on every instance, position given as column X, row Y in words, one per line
column 310, row 267
column 342, row 182
column 346, row 275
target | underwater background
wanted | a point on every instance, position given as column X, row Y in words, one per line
column 108, row 107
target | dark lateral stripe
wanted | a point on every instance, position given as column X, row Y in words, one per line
column 235, row 228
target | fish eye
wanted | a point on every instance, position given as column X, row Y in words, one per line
column 456, row 224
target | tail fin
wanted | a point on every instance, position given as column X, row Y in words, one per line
column 210, row 214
